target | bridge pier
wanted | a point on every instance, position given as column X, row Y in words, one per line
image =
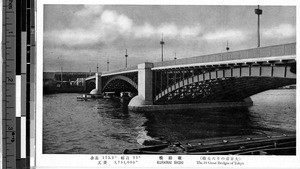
column 84, row 85
column 145, row 95
column 97, row 92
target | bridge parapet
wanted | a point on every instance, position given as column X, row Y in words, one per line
column 261, row 52
column 120, row 71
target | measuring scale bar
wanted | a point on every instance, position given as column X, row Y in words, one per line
column 18, row 21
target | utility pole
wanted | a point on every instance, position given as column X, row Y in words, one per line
column 175, row 56
column 61, row 69
column 61, row 75
column 126, row 59
column 162, row 47
column 97, row 67
column 258, row 12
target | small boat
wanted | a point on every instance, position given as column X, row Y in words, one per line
column 84, row 97
column 108, row 95
column 235, row 145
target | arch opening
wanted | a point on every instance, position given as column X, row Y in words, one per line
column 120, row 83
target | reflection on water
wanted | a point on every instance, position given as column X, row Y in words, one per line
column 103, row 126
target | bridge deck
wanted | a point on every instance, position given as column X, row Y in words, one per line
column 271, row 52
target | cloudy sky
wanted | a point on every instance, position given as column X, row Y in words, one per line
column 77, row 37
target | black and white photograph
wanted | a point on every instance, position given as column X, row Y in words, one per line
column 169, row 79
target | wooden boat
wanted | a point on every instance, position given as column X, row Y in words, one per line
column 84, row 97
column 236, row 145
column 108, row 95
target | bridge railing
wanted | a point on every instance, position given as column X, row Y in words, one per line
column 120, row 70
column 268, row 51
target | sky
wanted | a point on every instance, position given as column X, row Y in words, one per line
column 78, row 37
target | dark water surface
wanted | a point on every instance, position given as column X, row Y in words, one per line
column 103, row 127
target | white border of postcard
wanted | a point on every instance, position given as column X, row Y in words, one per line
column 144, row 161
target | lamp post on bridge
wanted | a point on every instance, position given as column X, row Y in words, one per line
column 227, row 47
column 258, row 12
column 162, row 47
column 126, row 59
column 107, row 64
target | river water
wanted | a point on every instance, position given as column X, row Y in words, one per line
column 104, row 126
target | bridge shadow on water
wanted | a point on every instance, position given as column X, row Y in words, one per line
column 180, row 125
column 197, row 124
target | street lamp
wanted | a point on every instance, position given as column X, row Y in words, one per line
column 162, row 47
column 107, row 65
column 126, row 59
column 227, row 47
column 258, row 12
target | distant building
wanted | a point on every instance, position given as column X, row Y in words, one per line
column 79, row 81
column 49, row 80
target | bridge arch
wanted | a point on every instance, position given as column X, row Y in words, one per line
column 227, row 85
column 127, row 80
column 90, row 85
